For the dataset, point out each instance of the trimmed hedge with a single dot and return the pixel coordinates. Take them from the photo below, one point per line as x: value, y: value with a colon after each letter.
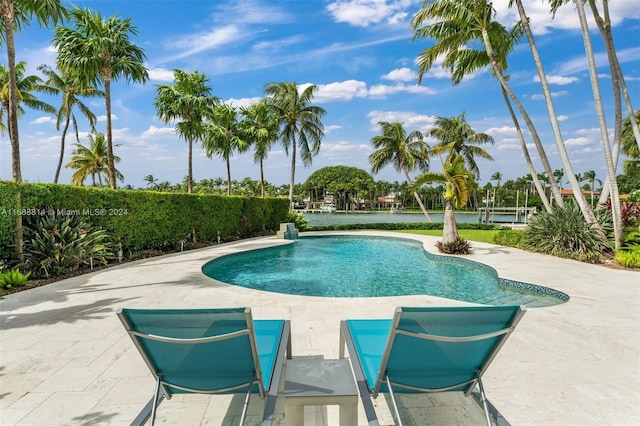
x: 144, y: 219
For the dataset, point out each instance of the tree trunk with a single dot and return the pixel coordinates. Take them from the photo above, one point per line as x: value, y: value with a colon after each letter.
x: 595, y: 87
x: 555, y: 191
x: 450, y: 229
x: 525, y: 151
x: 575, y: 185
x: 261, y: 179
x: 110, y: 162
x: 64, y: 133
x: 190, y: 166
x: 228, y: 176
x: 293, y: 170
x: 418, y: 199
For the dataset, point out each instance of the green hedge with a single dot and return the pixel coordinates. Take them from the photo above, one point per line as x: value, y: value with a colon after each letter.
x: 400, y: 226
x: 145, y: 219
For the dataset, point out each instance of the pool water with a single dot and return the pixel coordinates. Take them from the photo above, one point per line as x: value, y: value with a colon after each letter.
x: 356, y: 266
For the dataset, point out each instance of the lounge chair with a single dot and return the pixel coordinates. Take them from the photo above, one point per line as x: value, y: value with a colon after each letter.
x: 209, y: 351
x: 427, y: 349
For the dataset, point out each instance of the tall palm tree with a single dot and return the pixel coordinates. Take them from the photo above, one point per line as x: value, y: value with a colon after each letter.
x: 590, y: 176
x: 586, y: 210
x: 300, y: 122
x: 14, y: 16
x: 91, y: 161
x: 497, y: 176
x: 224, y: 135
x: 457, y: 179
x: 462, y: 24
x: 405, y: 152
x: 71, y: 89
x: 456, y: 137
x: 101, y: 51
x: 187, y: 101
x: 262, y: 129
x: 26, y: 85
x: 152, y: 182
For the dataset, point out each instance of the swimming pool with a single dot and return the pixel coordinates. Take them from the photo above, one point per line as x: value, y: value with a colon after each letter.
x: 369, y: 266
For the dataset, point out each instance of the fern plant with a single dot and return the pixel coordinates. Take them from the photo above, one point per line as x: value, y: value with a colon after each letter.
x: 55, y: 245
x: 457, y: 246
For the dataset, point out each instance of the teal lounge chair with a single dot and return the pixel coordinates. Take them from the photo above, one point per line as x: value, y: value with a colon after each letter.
x: 209, y: 351
x: 427, y: 349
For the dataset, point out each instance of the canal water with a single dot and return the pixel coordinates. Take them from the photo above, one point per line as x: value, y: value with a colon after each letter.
x: 340, y: 218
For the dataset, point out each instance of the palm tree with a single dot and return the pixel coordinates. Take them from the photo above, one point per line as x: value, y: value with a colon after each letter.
x: 262, y: 128
x: 15, y: 15
x: 224, y: 135
x: 405, y: 152
x: 91, y: 161
x: 457, y: 179
x: 187, y: 101
x: 100, y: 50
x: 152, y: 182
x: 590, y: 176
x: 456, y: 137
x: 71, y: 88
x: 300, y: 122
x: 498, y: 177
x: 464, y: 24
x: 26, y: 85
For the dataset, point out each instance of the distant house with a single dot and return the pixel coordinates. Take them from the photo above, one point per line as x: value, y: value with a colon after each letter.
x: 585, y: 192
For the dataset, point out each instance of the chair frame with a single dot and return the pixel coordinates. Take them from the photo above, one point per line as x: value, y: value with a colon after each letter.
x: 161, y: 388
x: 347, y: 341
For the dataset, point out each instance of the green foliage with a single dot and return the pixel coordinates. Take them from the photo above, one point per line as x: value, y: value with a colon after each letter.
x: 457, y: 246
x: 401, y: 226
x: 142, y: 220
x: 628, y: 259
x: 564, y: 233
x: 12, y: 279
x: 631, y: 239
x: 301, y: 222
x: 58, y: 244
x: 509, y: 237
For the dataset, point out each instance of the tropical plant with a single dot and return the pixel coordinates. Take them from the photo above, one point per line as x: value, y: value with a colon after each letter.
x: 152, y: 182
x: 71, y: 88
x: 187, y: 101
x: 14, y: 16
x: 224, y: 135
x: 456, y: 28
x: 100, y: 51
x: 456, y: 178
x: 628, y: 259
x: 564, y: 233
x: 509, y: 237
x: 456, y: 137
x: 457, y: 246
x: 58, y: 244
x: 12, y: 279
x: 300, y: 122
x: 91, y: 161
x: 405, y: 152
x: 301, y: 223
x: 262, y: 130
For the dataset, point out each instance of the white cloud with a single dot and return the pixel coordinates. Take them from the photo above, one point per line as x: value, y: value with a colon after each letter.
x: 329, y: 129
x: 160, y: 74
x: 381, y: 91
x: 362, y: 13
x: 553, y: 94
x: 410, y: 119
x: 339, y: 91
x: 401, y: 74
x: 103, y: 118
x: 558, y: 79
x: 242, y: 102
x: 504, y: 130
x: 577, y: 141
x: 154, y: 132
x: 43, y: 120
x: 195, y: 43
x: 562, y: 118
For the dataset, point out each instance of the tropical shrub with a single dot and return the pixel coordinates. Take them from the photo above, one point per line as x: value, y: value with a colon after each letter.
x: 298, y: 219
x: 509, y: 237
x: 457, y: 246
x: 12, y: 279
x: 628, y: 259
x: 563, y: 232
x: 54, y: 244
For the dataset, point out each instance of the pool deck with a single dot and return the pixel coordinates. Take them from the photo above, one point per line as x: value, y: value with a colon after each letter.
x: 65, y: 359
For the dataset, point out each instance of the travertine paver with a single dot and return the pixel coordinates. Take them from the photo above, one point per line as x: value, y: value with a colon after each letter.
x: 65, y: 358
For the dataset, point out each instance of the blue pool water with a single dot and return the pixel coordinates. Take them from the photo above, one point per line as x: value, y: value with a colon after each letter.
x: 356, y: 266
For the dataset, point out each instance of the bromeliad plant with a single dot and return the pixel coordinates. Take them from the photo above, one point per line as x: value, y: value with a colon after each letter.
x: 12, y: 279
x: 55, y: 245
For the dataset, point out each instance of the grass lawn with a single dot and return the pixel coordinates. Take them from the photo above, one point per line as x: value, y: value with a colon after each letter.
x: 467, y: 234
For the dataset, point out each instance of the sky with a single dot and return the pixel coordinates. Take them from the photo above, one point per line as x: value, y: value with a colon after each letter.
x: 360, y: 54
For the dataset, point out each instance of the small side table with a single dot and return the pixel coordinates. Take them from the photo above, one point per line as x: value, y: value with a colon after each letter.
x: 320, y: 382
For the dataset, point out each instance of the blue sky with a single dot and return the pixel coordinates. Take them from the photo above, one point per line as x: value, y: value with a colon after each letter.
x: 359, y: 53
